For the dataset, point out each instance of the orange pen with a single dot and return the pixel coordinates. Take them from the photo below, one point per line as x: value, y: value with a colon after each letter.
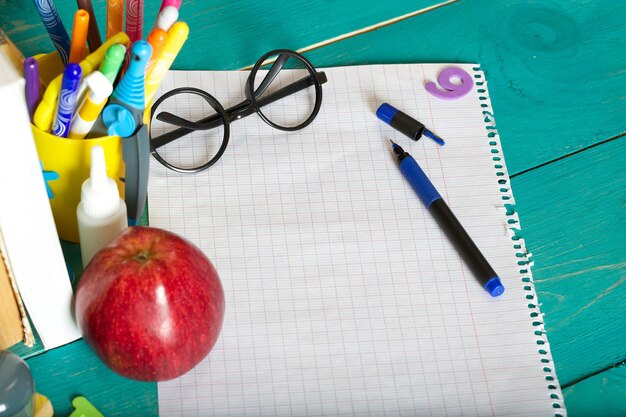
x: 79, y: 36
x: 115, y: 17
x: 157, y: 40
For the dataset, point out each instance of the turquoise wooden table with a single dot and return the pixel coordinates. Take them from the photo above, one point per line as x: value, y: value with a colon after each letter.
x: 557, y: 79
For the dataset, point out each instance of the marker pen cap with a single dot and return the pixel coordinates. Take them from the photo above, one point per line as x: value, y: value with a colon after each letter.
x: 400, y: 121
x: 494, y: 287
x: 100, y: 88
x: 166, y: 18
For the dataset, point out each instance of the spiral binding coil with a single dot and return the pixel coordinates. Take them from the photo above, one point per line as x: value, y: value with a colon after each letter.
x: 524, y: 257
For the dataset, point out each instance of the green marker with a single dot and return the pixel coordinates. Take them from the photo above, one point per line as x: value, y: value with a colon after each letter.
x: 112, y: 62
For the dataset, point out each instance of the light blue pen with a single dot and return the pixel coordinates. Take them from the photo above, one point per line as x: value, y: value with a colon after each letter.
x: 67, y: 100
x: 124, y: 113
x: 54, y: 26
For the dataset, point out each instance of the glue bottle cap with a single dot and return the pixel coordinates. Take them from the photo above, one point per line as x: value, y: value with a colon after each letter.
x: 99, y: 194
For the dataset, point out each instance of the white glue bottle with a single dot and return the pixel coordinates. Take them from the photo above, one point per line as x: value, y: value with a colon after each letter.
x: 101, y: 212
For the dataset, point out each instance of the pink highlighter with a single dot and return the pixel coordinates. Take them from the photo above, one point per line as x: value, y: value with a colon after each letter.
x: 175, y: 3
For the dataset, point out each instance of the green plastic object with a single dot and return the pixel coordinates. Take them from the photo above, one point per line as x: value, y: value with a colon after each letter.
x: 112, y: 62
x: 83, y: 408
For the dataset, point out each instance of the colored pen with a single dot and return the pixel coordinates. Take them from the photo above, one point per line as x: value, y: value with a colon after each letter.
x: 79, y: 36
x: 112, y: 62
x: 405, y: 123
x: 156, y: 39
x: 166, y: 18
x: 115, y: 17
x: 55, y: 28
x: 100, y: 88
x: 134, y: 19
x: 124, y: 112
x: 93, y: 36
x: 67, y: 100
x: 448, y: 222
x: 176, y: 38
x: 174, y: 3
x: 44, y: 115
x: 31, y: 76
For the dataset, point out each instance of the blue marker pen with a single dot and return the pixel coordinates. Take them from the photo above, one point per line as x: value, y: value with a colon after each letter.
x: 448, y: 222
x: 67, y: 100
x: 54, y: 26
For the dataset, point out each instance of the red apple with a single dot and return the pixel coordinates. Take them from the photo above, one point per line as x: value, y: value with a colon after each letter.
x: 150, y: 304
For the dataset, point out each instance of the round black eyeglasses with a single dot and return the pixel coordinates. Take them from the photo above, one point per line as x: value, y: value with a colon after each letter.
x: 263, y: 91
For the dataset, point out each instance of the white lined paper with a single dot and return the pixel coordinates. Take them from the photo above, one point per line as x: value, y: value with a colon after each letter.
x: 343, y: 296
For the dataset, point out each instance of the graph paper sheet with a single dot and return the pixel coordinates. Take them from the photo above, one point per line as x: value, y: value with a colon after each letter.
x: 342, y: 295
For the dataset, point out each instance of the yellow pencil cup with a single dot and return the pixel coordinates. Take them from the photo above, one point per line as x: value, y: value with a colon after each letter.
x: 66, y: 162
x: 70, y: 160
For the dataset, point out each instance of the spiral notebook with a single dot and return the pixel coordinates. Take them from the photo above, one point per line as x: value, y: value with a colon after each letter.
x: 343, y: 297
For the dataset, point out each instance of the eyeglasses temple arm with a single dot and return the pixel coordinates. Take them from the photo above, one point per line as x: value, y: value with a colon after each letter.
x: 239, y: 111
x: 269, y: 77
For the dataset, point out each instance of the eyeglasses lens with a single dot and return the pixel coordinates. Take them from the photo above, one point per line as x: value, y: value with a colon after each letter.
x: 196, y: 148
x: 293, y: 110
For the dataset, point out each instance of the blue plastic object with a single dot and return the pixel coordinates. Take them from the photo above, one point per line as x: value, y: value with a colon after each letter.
x: 494, y: 287
x: 67, y: 100
x: 386, y: 112
x: 125, y: 112
x: 419, y: 181
x: 405, y: 124
x: 448, y: 222
x: 131, y: 91
x: 119, y: 120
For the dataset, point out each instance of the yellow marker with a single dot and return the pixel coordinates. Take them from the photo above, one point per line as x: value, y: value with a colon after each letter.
x: 47, y: 107
x: 176, y: 37
x: 100, y: 88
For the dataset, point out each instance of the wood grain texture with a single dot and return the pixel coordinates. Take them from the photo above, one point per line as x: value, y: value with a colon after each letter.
x: 64, y: 373
x: 601, y: 395
x: 555, y: 68
x: 225, y: 34
x: 573, y: 219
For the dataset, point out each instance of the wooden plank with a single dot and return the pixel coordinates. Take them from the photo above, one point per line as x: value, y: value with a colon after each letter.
x: 555, y: 70
x: 225, y: 34
x: 600, y: 395
x: 572, y: 217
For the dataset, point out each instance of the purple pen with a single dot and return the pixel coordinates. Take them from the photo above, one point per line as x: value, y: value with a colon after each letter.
x: 67, y: 100
x: 31, y: 74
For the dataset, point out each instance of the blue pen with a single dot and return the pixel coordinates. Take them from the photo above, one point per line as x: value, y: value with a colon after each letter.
x: 67, y: 100
x: 54, y: 26
x: 448, y: 222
